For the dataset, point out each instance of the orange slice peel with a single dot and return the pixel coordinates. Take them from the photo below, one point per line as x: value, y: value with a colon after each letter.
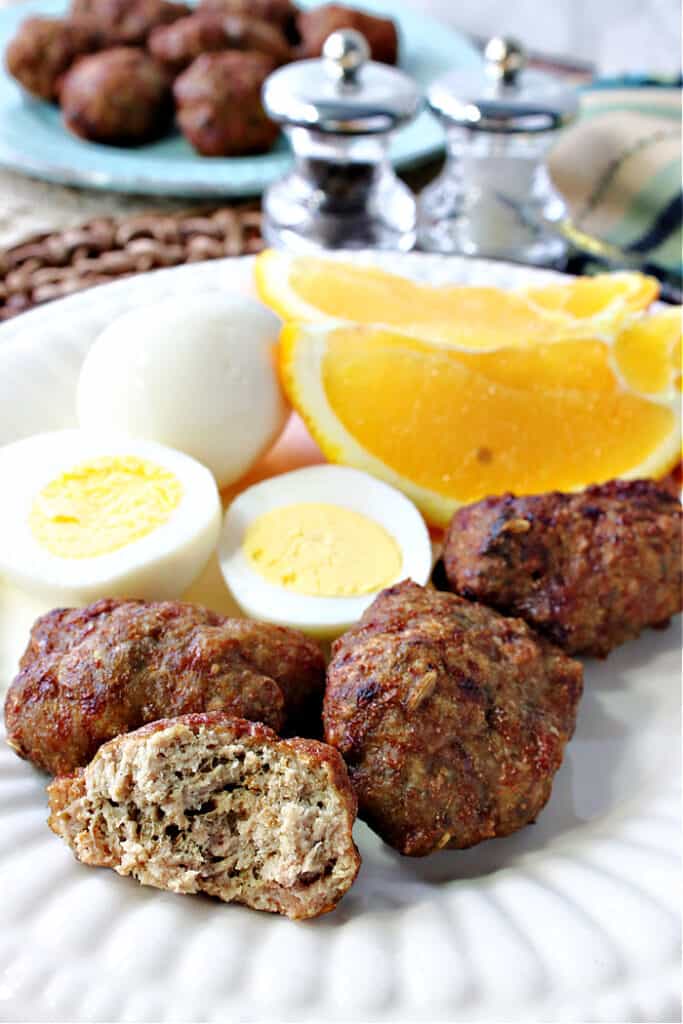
x: 449, y: 426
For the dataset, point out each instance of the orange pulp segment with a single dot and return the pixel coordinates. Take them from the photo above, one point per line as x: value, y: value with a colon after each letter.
x: 647, y: 353
x: 450, y: 427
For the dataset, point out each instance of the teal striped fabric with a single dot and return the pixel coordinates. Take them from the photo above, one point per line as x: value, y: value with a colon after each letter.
x: 619, y: 169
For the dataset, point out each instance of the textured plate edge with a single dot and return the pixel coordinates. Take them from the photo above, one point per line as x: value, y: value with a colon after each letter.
x: 651, y: 997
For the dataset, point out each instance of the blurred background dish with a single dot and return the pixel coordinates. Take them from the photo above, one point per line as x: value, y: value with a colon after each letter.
x: 33, y: 139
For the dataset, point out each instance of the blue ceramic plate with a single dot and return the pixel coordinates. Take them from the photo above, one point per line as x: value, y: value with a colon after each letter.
x: 33, y: 139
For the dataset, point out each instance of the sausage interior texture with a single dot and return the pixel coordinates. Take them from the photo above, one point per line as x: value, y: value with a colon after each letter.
x: 213, y: 804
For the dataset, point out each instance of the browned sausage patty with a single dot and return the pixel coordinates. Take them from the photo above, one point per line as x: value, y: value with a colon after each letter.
x: 209, y: 803
x: 177, y: 45
x: 127, y: 22
x: 119, y: 97
x: 219, y: 106
x: 452, y: 720
x: 589, y: 570
x: 43, y: 50
x: 317, y: 24
x: 89, y: 674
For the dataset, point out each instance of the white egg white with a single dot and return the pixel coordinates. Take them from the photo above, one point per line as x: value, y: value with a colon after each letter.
x: 334, y: 485
x: 195, y: 373
x: 158, y: 566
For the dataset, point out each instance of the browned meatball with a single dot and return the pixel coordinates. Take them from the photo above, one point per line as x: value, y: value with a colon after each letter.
x: 89, y: 674
x: 281, y: 13
x: 452, y: 720
x: 128, y: 22
x: 316, y: 25
x: 589, y: 570
x: 177, y: 45
x: 44, y: 48
x: 120, y: 97
x: 218, y: 104
x: 209, y: 803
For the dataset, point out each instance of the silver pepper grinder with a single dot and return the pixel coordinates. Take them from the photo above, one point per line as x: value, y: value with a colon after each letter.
x: 339, y: 113
x: 495, y: 197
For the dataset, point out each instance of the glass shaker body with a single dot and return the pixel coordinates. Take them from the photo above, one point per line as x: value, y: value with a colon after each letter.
x: 341, y: 193
x: 494, y: 198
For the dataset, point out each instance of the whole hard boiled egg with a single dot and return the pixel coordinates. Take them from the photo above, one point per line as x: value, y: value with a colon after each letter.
x: 84, y: 517
x: 312, y: 548
x: 195, y: 373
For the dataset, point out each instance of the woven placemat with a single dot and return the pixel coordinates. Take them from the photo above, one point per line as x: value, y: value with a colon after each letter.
x: 58, y: 263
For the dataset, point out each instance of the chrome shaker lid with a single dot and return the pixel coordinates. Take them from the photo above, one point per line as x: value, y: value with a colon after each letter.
x: 342, y: 93
x: 504, y: 95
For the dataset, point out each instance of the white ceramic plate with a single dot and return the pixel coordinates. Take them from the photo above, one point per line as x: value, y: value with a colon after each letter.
x: 573, y: 919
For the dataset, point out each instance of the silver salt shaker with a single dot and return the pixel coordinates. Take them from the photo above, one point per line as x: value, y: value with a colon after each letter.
x: 339, y: 113
x: 495, y: 197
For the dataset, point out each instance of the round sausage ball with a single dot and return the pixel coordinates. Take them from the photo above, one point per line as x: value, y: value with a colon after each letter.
x: 451, y: 718
x: 176, y: 46
x: 127, y: 22
x: 120, y: 97
x: 316, y: 25
x: 218, y: 104
x: 44, y: 49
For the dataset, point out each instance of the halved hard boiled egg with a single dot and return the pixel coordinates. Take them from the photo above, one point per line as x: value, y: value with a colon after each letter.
x: 87, y: 516
x: 312, y: 548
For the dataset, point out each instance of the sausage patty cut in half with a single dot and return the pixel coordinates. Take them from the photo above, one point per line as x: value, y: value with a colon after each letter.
x: 89, y: 674
x: 589, y: 570
x: 452, y: 719
x: 209, y: 803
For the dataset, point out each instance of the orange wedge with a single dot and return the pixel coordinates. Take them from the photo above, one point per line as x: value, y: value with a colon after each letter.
x: 306, y: 288
x: 449, y: 427
x: 601, y: 303
x: 647, y: 354
x: 314, y: 289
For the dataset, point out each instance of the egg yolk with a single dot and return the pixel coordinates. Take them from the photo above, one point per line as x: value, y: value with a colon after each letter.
x: 103, y: 505
x: 322, y: 550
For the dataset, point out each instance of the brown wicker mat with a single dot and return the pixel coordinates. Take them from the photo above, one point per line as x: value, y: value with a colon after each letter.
x: 105, y: 249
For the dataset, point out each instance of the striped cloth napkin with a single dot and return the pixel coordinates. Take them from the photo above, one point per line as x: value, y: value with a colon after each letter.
x: 619, y: 169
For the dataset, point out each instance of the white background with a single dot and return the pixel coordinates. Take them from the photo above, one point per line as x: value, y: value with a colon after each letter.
x: 618, y: 35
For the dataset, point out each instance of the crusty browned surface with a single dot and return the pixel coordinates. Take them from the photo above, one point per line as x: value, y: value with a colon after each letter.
x: 452, y: 719
x: 89, y: 674
x: 43, y: 50
x: 316, y: 24
x: 118, y: 97
x: 218, y: 103
x: 589, y: 570
x: 177, y: 45
x: 209, y: 803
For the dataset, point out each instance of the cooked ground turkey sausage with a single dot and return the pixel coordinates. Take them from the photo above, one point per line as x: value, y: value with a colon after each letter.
x: 219, y: 106
x: 89, y: 674
x: 209, y: 803
x: 177, y: 45
x: 44, y: 49
x: 281, y: 13
x: 119, y: 97
x: 589, y: 570
x: 318, y: 23
x: 127, y: 22
x: 452, y: 719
